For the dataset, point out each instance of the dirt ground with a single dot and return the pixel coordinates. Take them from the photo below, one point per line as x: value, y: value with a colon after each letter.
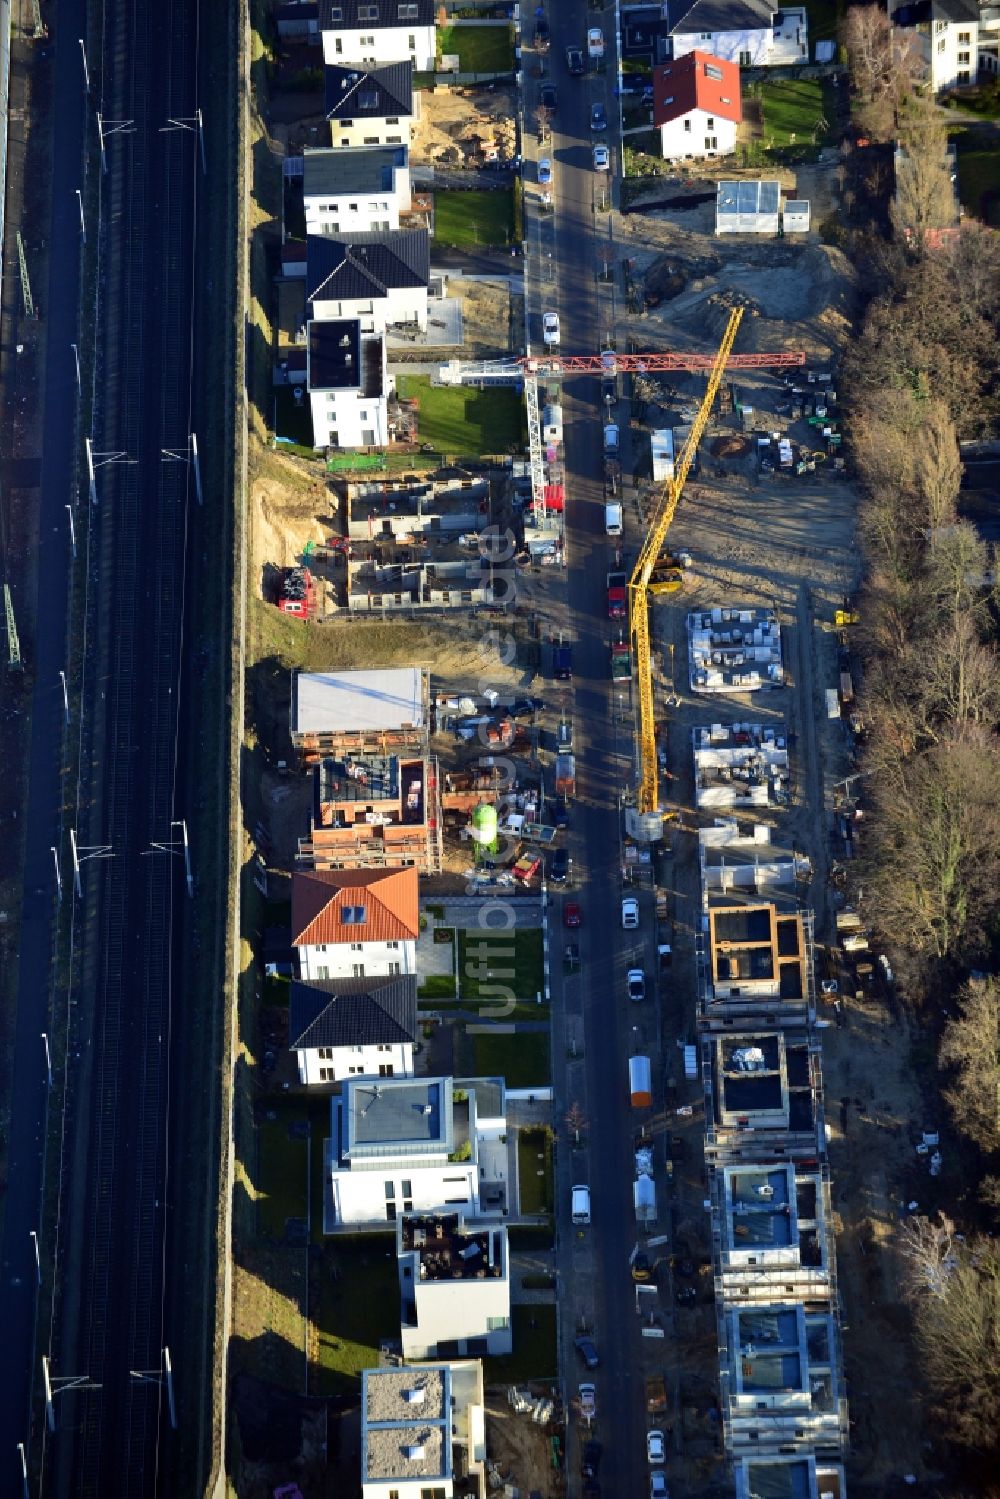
x: 521, y: 1449
x: 492, y: 317
x: 456, y: 125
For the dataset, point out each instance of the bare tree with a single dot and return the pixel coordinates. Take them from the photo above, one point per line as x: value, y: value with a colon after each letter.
x: 957, y: 681
x: 883, y: 64
x: 925, y: 191
x: 938, y: 467
x: 928, y: 1249
x: 958, y: 1333
x: 970, y: 1052
x: 576, y: 1121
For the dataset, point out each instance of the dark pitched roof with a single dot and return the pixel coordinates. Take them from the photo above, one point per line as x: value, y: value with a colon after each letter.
x: 356, y: 266
x: 368, y: 93
x: 349, y: 15
x: 720, y: 15
x: 959, y: 12
x: 352, y: 1012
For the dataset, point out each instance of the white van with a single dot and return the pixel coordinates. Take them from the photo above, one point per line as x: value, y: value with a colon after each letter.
x: 581, y: 1204
x: 613, y: 519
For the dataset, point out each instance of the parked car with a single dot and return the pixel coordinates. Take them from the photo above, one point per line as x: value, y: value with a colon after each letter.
x: 655, y: 1447
x: 658, y: 1485
x: 602, y: 159
x: 609, y: 392
x: 544, y: 172
x: 559, y: 866
x: 526, y: 707
x: 590, y: 1461
x: 548, y: 96
x: 595, y: 43
x: 574, y: 61
x: 550, y: 329
x: 542, y: 34
x: 588, y: 1402
x: 572, y: 915
x: 630, y: 913
x: 598, y: 117
x: 587, y: 1350
x: 636, y: 981
x: 562, y: 662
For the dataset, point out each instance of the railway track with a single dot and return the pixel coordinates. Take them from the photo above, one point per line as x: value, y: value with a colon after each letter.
x: 111, y: 1274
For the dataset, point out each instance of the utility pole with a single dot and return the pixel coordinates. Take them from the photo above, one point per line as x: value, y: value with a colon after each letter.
x: 76, y: 360
x: 86, y: 70
x: 55, y: 860
x: 164, y: 1377
x: 65, y: 693
x: 29, y: 306
x: 54, y: 1387
x: 179, y: 846
x: 72, y: 528
x: 14, y: 662
x: 81, y: 852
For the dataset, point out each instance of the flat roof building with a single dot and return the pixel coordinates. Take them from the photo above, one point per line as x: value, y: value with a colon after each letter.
x: 423, y: 1431
x: 790, y: 1477
x: 763, y: 1097
x: 734, y: 650
x: 360, y: 711
x: 454, y: 1286
x: 759, y: 962
x: 740, y: 766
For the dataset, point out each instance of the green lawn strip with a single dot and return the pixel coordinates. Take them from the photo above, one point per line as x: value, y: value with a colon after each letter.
x: 534, y: 1353
x: 520, y: 1057
x: 355, y: 1306
x: 292, y: 419
x: 319, y: 1133
x: 464, y: 422
x: 797, y: 111
x: 483, y: 953
x: 979, y: 174
x: 523, y: 1010
x: 471, y: 219
x: 281, y: 1175
x: 480, y: 49
x: 436, y: 986
x: 531, y: 1236
x: 535, y: 1189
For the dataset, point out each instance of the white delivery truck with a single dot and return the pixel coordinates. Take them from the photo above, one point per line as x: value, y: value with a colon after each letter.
x: 613, y: 519
x: 552, y: 424
x: 581, y: 1204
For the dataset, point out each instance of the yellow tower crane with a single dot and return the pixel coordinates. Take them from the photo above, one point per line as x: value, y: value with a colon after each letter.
x: 647, y: 825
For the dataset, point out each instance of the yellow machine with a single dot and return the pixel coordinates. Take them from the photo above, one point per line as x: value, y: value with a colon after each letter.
x: 648, y: 824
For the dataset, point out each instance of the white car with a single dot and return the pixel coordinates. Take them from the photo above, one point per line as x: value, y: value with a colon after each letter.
x: 602, y: 159
x: 636, y: 984
x: 630, y: 913
x: 588, y: 1402
x: 658, y: 1484
x: 550, y: 328
x: 544, y: 171
x: 595, y: 42
x: 655, y: 1448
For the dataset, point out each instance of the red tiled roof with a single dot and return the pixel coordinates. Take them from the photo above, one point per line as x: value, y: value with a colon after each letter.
x: 679, y: 87
x: 322, y: 898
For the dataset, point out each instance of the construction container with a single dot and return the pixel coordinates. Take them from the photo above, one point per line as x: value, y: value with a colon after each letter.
x: 640, y: 1082
x: 644, y: 1199
x: 662, y: 444
x: 832, y: 702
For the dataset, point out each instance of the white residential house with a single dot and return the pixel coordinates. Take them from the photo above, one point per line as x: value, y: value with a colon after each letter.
x: 358, y: 191
x: 341, y: 1028
x: 374, y: 31
x: 423, y: 1428
x: 348, y: 385
x: 696, y: 106
x: 948, y: 35
x: 454, y: 1287
x: 369, y: 106
x: 415, y: 1145
x: 752, y: 33
x: 355, y: 923
x: 380, y: 279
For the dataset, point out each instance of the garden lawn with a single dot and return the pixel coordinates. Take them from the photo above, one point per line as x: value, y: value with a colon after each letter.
x: 462, y: 422
x: 797, y: 111
x: 281, y: 1177
x: 470, y: 219
x: 979, y: 175
x: 481, y: 49
x: 292, y: 421
x: 521, y: 1057
x: 534, y: 1352
x: 535, y: 1190
x: 491, y: 950
x: 357, y: 1308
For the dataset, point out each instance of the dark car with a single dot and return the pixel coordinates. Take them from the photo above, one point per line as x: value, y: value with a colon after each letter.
x: 562, y: 663
x: 548, y: 98
x: 559, y: 866
x: 526, y: 707
x: 587, y: 1350
x: 542, y: 34
x: 574, y: 61
x: 560, y: 812
x: 609, y: 391
x: 598, y: 117
x: 572, y: 915
x: 590, y: 1461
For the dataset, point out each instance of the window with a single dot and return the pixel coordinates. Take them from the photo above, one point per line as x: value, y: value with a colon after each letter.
x: 497, y: 1324
x: 385, y: 1047
x: 392, y: 119
x: 356, y: 1071
x: 453, y: 1179
x: 413, y: 44
x: 386, y: 1069
x: 358, y: 970
x: 338, y: 45
x: 336, y: 12
x: 406, y: 1187
x: 394, y: 140
x: 706, y: 36
x: 394, y: 968
x: 369, y: 41
x: 963, y: 57
x: 711, y: 143
x: 940, y: 25
x: 390, y: 1190
x: 346, y: 124
x: 367, y: 12
x: 744, y: 59
x: 710, y: 123
x: 965, y: 38
x: 368, y: 100
x: 941, y: 45
x: 327, y: 1075
x: 353, y: 207
x: 963, y: 76
x: 390, y: 1212
x: 322, y: 973
x: 357, y: 947
x: 325, y: 1053
x: 711, y: 71
x: 455, y: 1201
x: 334, y: 443
x: 371, y: 140
x: 407, y: 12
x: 367, y: 437
x: 687, y: 126
x: 353, y: 915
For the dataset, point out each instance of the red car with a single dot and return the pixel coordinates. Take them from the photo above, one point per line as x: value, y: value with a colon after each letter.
x: 571, y: 914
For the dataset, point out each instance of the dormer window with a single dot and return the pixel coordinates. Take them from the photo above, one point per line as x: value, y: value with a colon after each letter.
x: 367, y: 12
x: 353, y: 915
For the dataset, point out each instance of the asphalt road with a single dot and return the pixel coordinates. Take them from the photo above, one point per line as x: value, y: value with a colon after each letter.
x: 596, y: 1282
x: 110, y: 1433
x: 46, y: 655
